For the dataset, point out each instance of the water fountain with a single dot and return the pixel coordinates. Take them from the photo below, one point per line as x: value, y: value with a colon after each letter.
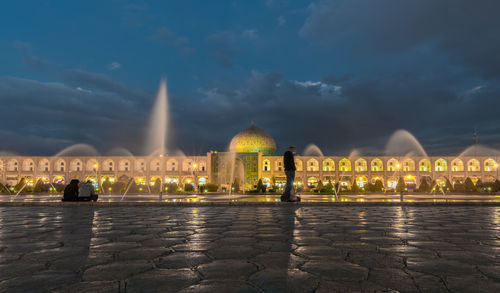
x: 403, y: 143
x: 156, y: 142
x: 312, y: 150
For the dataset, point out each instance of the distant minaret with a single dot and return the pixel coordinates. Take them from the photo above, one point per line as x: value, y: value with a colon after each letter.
x: 474, y: 134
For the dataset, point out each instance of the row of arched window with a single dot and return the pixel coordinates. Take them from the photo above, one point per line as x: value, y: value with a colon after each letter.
x: 77, y: 165
x: 392, y: 165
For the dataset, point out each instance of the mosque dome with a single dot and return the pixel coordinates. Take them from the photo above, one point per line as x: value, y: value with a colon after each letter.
x: 253, y: 140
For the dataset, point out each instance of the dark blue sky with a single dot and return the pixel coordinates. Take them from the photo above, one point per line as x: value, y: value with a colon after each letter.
x: 340, y: 74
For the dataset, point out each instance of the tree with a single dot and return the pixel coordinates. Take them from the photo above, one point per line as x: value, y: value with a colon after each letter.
x: 319, y: 188
x: 448, y: 186
x: 155, y: 188
x: 106, y: 185
x: 435, y: 186
x: 210, y: 187
x: 469, y: 185
x: 354, y: 187
x: 379, y: 186
x: 497, y: 185
x: 134, y: 188
x: 370, y: 187
x: 40, y: 186
x: 188, y: 187
x: 3, y: 189
x: 424, y: 186
x: 171, y: 187
x: 259, y: 186
x: 328, y: 188
x: 401, y: 186
x: 479, y: 185
x: 20, y: 184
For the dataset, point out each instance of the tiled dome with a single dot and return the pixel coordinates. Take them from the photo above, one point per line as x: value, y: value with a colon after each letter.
x: 252, y: 140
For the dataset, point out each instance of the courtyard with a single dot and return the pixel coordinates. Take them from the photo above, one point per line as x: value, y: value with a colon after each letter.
x: 249, y: 248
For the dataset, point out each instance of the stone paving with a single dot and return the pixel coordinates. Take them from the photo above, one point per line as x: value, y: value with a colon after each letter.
x: 278, y: 248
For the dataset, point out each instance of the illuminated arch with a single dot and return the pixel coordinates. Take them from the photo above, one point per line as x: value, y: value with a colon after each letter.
x: 328, y: 165
x: 188, y: 165
x: 393, y: 165
x: 424, y: 165
x: 92, y: 165
x: 361, y: 181
x: 490, y: 165
x: 298, y: 165
x: 58, y: 180
x: 12, y: 165
x: 60, y: 165
x: 312, y: 165
x: 377, y: 165
x: 28, y: 165
x: 108, y: 165
x: 360, y: 165
x: 440, y: 165
x: 457, y: 165
x: 124, y: 165
x: 278, y: 165
x: 345, y: 165
x: 312, y: 181
x: 408, y: 165
x: 473, y: 165
x: 76, y: 165
x: 155, y: 165
x: 266, y: 165
x: 140, y: 165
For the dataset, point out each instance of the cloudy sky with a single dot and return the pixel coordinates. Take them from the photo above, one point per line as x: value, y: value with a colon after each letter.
x: 342, y: 74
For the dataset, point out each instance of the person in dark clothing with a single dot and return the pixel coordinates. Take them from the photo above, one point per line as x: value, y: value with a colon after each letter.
x: 289, y: 163
x: 71, y: 191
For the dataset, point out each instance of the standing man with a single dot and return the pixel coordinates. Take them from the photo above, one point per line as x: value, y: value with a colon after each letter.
x: 289, y: 163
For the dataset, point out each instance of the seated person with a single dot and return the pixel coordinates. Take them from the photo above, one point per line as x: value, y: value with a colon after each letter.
x: 71, y: 191
x: 87, y: 192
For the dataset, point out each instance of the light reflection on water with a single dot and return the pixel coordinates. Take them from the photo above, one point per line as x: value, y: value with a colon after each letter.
x: 204, y: 198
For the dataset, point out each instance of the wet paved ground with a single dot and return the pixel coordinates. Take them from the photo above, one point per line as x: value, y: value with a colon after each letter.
x: 251, y: 197
x: 276, y: 248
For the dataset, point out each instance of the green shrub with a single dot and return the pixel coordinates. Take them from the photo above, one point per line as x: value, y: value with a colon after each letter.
x: 210, y: 187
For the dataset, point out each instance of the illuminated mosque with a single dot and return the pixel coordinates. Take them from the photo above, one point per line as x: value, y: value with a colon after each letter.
x: 252, y: 156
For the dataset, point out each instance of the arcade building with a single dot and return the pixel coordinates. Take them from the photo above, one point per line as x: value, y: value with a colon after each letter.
x: 252, y: 156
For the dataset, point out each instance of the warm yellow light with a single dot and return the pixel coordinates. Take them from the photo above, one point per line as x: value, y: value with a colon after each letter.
x: 195, y: 165
x: 397, y: 166
x: 95, y: 166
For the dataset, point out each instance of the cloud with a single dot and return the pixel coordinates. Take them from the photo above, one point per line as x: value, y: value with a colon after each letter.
x: 343, y: 113
x: 114, y: 65
x: 100, y: 112
x: 166, y: 36
x: 468, y: 32
x: 224, y: 46
x: 281, y: 20
x: 250, y: 34
x: 20, y: 45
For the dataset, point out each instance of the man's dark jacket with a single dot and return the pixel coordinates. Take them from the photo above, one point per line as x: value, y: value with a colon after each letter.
x: 288, y: 161
x: 71, y: 191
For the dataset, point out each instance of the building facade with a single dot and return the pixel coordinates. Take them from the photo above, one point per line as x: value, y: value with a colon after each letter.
x: 251, y: 156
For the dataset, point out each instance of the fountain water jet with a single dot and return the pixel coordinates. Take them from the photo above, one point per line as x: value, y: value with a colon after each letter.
x: 312, y: 150
x: 79, y: 149
x: 403, y: 143
x: 157, y: 133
